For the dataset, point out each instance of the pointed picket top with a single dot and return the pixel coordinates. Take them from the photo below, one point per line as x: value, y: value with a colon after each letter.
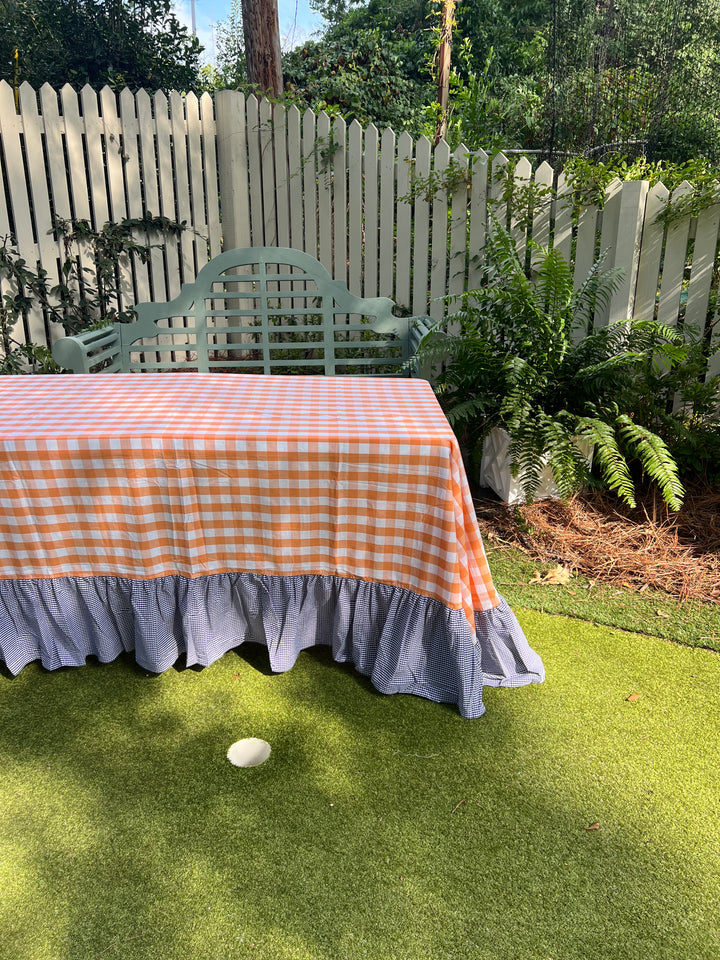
x: 27, y: 97
x: 160, y: 102
x: 462, y: 154
x: 657, y: 200
x: 388, y: 136
x: 47, y: 90
x: 612, y: 188
x: 523, y: 169
x: 190, y: 98
x: 67, y: 90
x: 355, y: 127
x: 325, y: 118
x: 339, y: 129
x: 294, y: 114
x: 498, y: 170
x: 265, y: 111
x: 423, y: 143
x: 27, y: 90
x: 545, y: 173
x: 278, y: 114
x: 127, y: 101
x: 88, y: 92
x: 251, y: 98
x: 442, y: 154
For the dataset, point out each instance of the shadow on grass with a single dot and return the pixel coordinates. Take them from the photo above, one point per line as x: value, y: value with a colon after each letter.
x: 381, y: 827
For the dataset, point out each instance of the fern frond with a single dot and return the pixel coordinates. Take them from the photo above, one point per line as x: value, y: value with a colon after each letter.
x: 596, y: 290
x: 613, y: 465
x: 656, y: 460
x: 553, y: 282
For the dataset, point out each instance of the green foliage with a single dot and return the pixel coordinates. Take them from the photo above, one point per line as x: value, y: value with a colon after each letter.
x: 518, y: 355
x: 359, y: 77
x: 114, y: 42
x: 22, y: 287
x: 590, y: 178
x: 84, y: 298
x: 229, y: 70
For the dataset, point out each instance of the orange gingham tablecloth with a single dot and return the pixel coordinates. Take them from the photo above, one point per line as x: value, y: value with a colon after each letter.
x: 149, y: 475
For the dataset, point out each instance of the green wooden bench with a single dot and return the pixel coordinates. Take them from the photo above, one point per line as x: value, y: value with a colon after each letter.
x: 258, y: 310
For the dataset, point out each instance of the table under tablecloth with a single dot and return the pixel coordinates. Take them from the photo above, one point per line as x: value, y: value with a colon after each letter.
x: 183, y: 514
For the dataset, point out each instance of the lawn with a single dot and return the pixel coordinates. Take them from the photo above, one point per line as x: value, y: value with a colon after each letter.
x: 567, y: 823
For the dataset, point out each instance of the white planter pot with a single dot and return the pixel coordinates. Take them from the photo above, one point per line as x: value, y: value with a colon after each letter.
x: 495, y: 469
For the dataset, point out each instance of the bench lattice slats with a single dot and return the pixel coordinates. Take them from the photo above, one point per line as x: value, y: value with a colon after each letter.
x: 261, y: 310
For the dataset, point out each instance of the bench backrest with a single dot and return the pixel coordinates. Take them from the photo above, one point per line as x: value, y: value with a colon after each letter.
x: 265, y: 310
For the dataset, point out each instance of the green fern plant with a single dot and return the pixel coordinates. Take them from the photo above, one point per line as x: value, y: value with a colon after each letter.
x: 520, y: 353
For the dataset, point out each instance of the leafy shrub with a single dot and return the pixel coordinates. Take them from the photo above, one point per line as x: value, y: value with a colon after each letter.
x: 83, y: 299
x: 518, y: 355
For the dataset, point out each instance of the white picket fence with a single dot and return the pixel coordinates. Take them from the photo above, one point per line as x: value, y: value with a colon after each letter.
x: 243, y: 172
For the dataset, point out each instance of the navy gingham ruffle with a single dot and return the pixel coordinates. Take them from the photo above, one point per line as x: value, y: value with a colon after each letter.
x: 404, y: 642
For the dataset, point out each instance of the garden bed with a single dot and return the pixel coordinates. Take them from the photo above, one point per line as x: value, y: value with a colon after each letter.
x: 598, y: 537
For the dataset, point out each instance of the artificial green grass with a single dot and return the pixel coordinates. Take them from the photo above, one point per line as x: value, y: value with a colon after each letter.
x: 651, y: 612
x: 386, y: 828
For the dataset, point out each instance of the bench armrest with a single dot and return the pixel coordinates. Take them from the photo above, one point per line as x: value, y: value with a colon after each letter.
x: 89, y: 352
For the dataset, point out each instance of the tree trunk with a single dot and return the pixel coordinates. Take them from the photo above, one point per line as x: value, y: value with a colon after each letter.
x: 448, y: 20
x: 262, y: 45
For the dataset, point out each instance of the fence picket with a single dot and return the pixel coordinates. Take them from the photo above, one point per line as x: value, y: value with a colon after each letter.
x: 646, y: 287
x: 49, y: 250
x: 544, y: 176
x: 198, y: 233
x: 294, y: 151
x: 626, y: 246
x: 439, y: 238
x: 387, y: 212
x: 522, y: 177
x: 585, y: 242
x: 149, y: 173
x: 182, y: 185
x: 167, y: 193
x: 10, y: 134
x: 355, y: 209
x: 496, y: 187
x: 269, y: 187
x: 701, y: 270
x: 129, y: 145
x: 309, y: 183
x: 478, y: 217
x: 340, y: 211
x: 676, y: 243
x: 116, y: 188
x: 79, y: 195
x: 94, y: 151
x: 458, y: 227
x: 257, y: 225
x: 324, y: 177
x: 562, y: 212
x: 282, y: 201
x: 370, y: 157
x: 421, y: 238
x: 211, y: 174
x: 404, y: 221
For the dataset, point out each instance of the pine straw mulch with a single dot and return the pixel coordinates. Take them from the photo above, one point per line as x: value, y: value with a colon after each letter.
x: 596, y: 536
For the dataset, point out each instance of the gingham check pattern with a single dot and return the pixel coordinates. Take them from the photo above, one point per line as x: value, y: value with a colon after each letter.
x: 152, y: 475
